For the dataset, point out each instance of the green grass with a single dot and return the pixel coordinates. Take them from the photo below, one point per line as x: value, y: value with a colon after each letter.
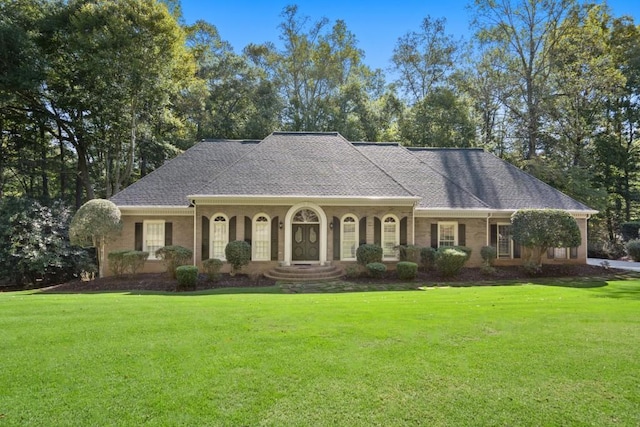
x: 501, y: 355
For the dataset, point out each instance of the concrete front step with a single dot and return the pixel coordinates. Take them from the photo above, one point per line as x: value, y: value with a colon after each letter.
x: 305, y: 273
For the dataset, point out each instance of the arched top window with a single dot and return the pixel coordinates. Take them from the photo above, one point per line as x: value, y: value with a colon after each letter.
x: 261, y: 244
x: 390, y: 236
x: 219, y: 235
x: 219, y: 218
x: 349, y: 237
x: 306, y: 216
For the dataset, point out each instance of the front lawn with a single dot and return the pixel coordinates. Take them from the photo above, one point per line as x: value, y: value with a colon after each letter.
x: 501, y: 355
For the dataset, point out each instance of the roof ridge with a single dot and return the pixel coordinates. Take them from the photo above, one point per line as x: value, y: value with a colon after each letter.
x: 232, y: 164
x: 446, y: 177
x: 380, y: 168
x: 445, y: 148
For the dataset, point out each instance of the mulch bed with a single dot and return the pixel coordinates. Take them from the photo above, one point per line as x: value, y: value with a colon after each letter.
x: 163, y: 283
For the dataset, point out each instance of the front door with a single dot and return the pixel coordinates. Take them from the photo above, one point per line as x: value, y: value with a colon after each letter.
x: 306, y: 242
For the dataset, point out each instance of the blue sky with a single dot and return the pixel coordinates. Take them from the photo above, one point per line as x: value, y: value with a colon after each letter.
x: 377, y: 24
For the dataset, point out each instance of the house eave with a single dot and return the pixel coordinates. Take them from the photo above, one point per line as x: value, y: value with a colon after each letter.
x: 150, y: 210
x: 275, y: 200
x: 484, y: 213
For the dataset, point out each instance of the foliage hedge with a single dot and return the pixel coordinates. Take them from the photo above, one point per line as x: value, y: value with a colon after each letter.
x: 212, y: 267
x: 368, y: 253
x: 376, y: 269
x: 173, y: 257
x: 134, y: 260
x: 238, y: 254
x: 124, y: 260
x: 633, y: 249
x: 427, y: 258
x: 489, y: 254
x: 630, y: 230
x: 449, y: 261
x: 34, y: 243
x: 407, y: 270
x: 187, y: 276
x: 409, y: 253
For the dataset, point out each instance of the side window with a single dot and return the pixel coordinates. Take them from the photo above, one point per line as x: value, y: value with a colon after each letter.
x: 261, y: 242
x: 447, y: 234
x: 349, y: 240
x: 504, y: 242
x: 152, y: 237
x: 219, y: 229
x: 390, y: 236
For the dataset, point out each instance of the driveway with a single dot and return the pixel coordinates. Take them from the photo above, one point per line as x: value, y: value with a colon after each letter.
x: 623, y: 265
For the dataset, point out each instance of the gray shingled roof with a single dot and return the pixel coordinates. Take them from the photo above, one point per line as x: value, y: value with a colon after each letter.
x: 434, y: 189
x: 498, y: 183
x: 327, y: 165
x: 304, y: 164
x: 170, y: 184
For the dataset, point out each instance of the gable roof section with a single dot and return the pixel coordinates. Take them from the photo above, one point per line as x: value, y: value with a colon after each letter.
x: 434, y: 189
x: 498, y: 183
x: 170, y: 184
x: 304, y: 164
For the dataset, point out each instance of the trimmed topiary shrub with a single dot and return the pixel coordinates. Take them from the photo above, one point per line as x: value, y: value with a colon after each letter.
x: 116, y: 262
x: 134, y: 260
x: 212, y: 268
x: 367, y: 253
x: 187, y: 276
x: 407, y: 270
x: 238, y: 254
x: 489, y: 255
x: 449, y: 261
x: 409, y: 253
x: 173, y: 257
x: 376, y: 269
x: 633, y: 249
x: 427, y: 258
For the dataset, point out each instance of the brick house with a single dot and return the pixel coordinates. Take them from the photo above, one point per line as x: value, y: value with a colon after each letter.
x: 313, y: 198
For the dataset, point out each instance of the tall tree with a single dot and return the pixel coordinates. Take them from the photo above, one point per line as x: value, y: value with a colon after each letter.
x: 526, y: 31
x: 319, y: 74
x: 425, y: 59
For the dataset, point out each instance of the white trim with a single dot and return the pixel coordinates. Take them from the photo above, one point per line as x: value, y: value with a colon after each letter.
x: 287, y: 231
x: 274, y: 200
x: 396, y: 240
x: 254, y: 233
x: 225, y: 240
x: 157, y: 210
x: 356, y: 235
x: 145, y: 248
x: 455, y: 231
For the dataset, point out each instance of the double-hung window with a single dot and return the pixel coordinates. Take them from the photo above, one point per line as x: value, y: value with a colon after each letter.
x: 152, y: 237
x: 261, y: 238
x: 349, y: 237
x: 219, y: 235
x: 447, y: 234
x: 390, y: 237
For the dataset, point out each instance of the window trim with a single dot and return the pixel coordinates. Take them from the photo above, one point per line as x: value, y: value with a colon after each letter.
x: 212, y: 223
x: 396, y: 241
x: 145, y: 248
x: 356, y: 235
x: 254, y: 234
x: 455, y: 231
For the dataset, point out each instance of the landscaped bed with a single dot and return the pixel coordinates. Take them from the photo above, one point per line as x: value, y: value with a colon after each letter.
x: 468, y: 276
x: 487, y: 355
